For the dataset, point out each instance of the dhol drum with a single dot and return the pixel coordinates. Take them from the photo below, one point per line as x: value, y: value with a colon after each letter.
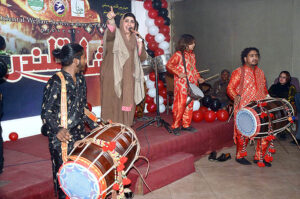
x: 195, y: 92
x: 91, y: 169
x: 262, y: 118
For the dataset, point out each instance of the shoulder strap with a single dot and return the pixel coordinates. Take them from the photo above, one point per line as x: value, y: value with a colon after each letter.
x: 242, y: 79
x: 63, y: 113
x: 184, y: 64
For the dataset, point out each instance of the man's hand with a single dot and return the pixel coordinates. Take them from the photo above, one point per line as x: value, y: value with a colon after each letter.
x: 63, y: 135
x: 201, y: 80
x: 182, y: 75
x: 237, y: 100
x: 111, y: 14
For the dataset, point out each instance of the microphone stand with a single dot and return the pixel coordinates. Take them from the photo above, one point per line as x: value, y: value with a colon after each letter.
x: 157, y: 118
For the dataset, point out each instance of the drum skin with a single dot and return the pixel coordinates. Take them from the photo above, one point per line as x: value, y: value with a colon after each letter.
x: 271, y: 103
x: 124, y: 141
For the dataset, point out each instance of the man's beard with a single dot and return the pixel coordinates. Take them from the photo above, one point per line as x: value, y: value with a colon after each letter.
x: 254, y: 63
x: 80, y: 68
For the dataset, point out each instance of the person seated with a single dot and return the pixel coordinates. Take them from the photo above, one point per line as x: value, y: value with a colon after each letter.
x: 297, y: 101
x: 205, y: 88
x: 284, y: 89
x: 219, y: 89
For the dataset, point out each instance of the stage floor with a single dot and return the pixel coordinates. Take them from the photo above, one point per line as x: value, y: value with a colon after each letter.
x: 27, y: 167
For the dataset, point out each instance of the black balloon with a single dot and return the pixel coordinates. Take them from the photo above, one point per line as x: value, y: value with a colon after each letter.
x: 163, y: 12
x: 167, y: 21
x: 156, y: 4
x: 215, y: 104
x: 206, y: 101
x: 150, y: 53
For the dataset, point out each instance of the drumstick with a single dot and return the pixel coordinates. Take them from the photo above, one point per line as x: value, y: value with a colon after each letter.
x: 236, y: 104
x: 216, y: 75
x: 203, y: 71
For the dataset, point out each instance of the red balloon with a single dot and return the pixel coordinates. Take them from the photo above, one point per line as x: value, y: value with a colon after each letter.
x: 153, y: 45
x: 163, y: 91
x: 203, y: 109
x: 160, y: 84
x: 152, y: 13
x: 167, y: 38
x: 159, y: 52
x: 198, y: 116
x: 165, y: 30
x: 89, y: 106
x: 148, y: 4
x: 149, y: 99
x: 222, y: 115
x: 152, y: 76
x: 164, y: 4
x: 165, y: 100
x: 210, y: 116
x: 159, y: 21
x: 151, y: 107
x: 13, y: 136
x: 150, y: 38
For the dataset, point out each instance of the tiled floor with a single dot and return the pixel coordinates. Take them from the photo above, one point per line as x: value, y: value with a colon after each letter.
x: 230, y: 180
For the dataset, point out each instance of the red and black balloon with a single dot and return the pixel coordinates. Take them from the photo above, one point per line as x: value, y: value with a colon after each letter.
x: 157, y: 10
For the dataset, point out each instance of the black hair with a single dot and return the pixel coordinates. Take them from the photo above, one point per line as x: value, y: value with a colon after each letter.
x: 68, y: 53
x: 288, y: 76
x: 136, y: 28
x: 246, y: 51
x: 2, y: 43
x: 225, y: 71
x: 129, y: 14
x: 184, y: 41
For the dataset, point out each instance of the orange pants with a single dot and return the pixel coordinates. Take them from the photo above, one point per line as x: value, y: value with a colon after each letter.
x: 182, y: 113
x: 241, y: 144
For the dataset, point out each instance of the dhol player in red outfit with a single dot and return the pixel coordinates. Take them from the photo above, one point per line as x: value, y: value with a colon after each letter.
x: 182, y: 114
x: 248, y: 83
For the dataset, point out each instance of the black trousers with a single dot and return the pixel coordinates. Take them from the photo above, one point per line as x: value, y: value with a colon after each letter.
x: 1, y: 150
x: 56, y: 163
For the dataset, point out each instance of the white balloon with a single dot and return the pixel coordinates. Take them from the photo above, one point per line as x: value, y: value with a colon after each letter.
x: 150, y: 84
x: 167, y: 51
x: 162, y: 108
x: 196, y: 105
x: 159, y: 37
x: 146, y: 77
x: 149, y: 22
x: 160, y: 100
x: 164, y: 45
x: 153, y: 30
x: 145, y: 109
x: 152, y: 92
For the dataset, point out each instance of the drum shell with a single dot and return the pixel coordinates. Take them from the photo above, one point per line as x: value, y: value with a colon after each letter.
x: 272, y: 103
x: 105, y: 162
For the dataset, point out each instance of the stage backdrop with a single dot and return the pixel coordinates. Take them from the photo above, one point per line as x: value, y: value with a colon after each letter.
x: 32, y: 29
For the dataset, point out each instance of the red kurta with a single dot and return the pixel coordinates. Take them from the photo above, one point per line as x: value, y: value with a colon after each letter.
x: 181, y: 113
x: 253, y: 89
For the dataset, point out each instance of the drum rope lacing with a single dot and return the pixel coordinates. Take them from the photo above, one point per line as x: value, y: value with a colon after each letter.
x: 118, y: 159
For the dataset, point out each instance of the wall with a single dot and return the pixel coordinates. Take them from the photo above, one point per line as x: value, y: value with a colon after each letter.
x: 224, y: 28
